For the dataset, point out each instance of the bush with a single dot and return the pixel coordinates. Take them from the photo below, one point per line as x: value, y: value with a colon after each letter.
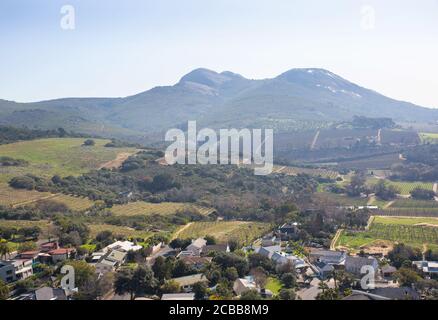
x: 89, y: 143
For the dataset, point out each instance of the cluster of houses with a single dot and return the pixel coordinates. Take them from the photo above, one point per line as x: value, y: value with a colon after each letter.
x: 21, y: 266
x: 110, y: 258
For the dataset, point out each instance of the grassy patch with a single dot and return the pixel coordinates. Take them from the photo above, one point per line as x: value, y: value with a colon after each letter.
x: 57, y: 156
x: 274, y: 285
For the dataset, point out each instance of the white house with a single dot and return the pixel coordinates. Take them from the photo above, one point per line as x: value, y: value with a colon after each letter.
x: 243, y: 285
x: 13, y: 270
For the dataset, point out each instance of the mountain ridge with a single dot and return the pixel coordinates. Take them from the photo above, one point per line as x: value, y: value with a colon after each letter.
x: 220, y: 99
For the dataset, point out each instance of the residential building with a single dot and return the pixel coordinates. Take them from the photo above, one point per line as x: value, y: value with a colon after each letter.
x: 187, y: 282
x: 215, y: 248
x: 354, y: 265
x: 178, y: 296
x: 48, y: 293
x: 268, y: 252
x: 17, y: 269
x: 243, y: 285
x: 123, y: 246
x: 196, y: 246
x: 331, y: 257
x: 61, y: 254
x: 388, y: 271
x: 196, y: 263
x: 430, y: 267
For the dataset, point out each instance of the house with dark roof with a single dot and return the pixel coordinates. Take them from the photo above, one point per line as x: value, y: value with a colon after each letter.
x: 328, y: 256
x: 355, y: 265
x: 196, y: 263
x: 268, y: 251
x: 323, y: 269
x: 214, y: 248
x: 402, y: 293
x: 48, y: 293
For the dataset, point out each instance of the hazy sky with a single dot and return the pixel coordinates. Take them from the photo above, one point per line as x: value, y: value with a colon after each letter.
x: 119, y: 48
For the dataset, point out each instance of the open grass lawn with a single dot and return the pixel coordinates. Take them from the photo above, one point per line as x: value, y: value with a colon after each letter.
x: 413, y: 231
x: 146, y: 208
x: 223, y: 231
x: 61, y: 156
x: 274, y: 285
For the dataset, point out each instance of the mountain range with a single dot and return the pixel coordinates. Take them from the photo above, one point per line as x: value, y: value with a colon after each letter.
x: 296, y: 99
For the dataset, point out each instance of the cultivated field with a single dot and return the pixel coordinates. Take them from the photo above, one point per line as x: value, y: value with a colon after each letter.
x: 224, y: 231
x: 117, y: 230
x: 404, y: 187
x: 17, y: 198
x: 44, y: 225
x: 11, y: 197
x: 316, y: 172
x: 428, y: 137
x: 61, y: 156
x: 146, y: 208
x: 413, y: 231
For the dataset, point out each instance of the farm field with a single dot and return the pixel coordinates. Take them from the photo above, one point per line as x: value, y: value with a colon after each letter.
x: 57, y: 156
x: 404, y: 187
x: 414, y: 204
x: 342, y: 200
x: 412, y: 231
x: 11, y: 197
x: 145, y: 208
x: 117, y: 230
x: 316, y: 172
x: 428, y: 137
x: 74, y: 203
x: 44, y: 225
x: 224, y: 231
x: 17, y: 198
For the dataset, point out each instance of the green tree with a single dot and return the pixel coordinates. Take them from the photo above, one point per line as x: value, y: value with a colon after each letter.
x: 287, y: 294
x: 200, y: 290
x: 289, y: 280
x: 4, y: 290
x: 4, y: 250
x: 135, y: 282
x: 171, y: 286
x: 251, y: 295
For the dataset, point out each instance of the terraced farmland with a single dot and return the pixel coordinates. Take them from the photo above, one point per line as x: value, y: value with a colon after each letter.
x: 224, y: 231
x: 146, y: 208
x: 57, y: 156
